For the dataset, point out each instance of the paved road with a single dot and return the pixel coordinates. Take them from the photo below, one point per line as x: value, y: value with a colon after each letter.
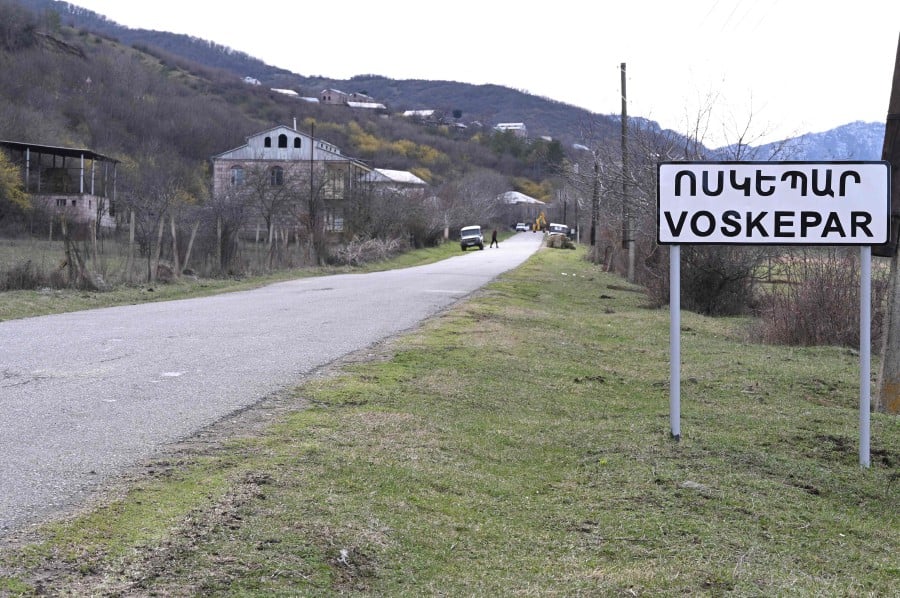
x: 87, y: 394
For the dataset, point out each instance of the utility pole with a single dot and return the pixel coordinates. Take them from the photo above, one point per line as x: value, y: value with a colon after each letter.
x: 888, y: 399
x: 595, y: 204
x: 627, y: 233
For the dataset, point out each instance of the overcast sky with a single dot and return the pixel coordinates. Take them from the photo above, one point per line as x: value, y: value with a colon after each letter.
x: 789, y: 66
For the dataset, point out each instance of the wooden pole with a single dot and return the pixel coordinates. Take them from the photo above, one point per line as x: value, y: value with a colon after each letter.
x: 888, y: 399
x: 175, y: 262
x: 129, y: 262
x: 627, y: 232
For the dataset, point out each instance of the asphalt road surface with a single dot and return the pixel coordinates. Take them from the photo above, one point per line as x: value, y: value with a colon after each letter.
x: 87, y: 394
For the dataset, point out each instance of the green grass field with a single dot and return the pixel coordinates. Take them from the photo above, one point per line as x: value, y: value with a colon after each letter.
x: 517, y: 445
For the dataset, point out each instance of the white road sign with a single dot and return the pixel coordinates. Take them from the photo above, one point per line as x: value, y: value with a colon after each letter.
x: 774, y: 203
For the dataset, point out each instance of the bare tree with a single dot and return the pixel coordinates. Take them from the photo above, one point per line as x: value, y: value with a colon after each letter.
x: 226, y: 215
x: 153, y: 191
x: 590, y: 175
x: 312, y: 193
x: 471, y: 199
x: 716, y: 280
x: 719, y: 281
x: 269, y: 189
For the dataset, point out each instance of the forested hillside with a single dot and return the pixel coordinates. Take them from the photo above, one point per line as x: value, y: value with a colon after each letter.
x: 65, y: 86
x: 488, y: 104
x: 164, y: 116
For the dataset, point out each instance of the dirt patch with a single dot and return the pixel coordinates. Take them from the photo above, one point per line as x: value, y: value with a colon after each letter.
x: 148, y: 569
x: 252, y: 420
x: 91, y: 574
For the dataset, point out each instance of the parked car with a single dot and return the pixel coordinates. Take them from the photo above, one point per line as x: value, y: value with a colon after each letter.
x: 521, y: 227
x: 558, y: 229
x: 470, y: 236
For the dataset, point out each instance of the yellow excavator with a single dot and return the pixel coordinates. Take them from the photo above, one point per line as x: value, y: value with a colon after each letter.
x: 540, y: 223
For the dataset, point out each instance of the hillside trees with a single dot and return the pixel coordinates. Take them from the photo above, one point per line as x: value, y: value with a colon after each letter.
x: 13, y: 199
x: 18, y: 27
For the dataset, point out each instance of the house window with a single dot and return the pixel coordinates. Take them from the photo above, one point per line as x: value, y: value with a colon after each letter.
x: 334, y: 184
x: 267, y: 142
x: 282, y: 140
x: 334, y: 221
x: 296, y: 142
x: 237, y: 176
x: 277, y: 176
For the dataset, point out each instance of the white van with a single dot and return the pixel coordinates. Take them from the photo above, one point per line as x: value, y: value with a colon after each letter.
x: 558, y: 229
x: 470, y: 236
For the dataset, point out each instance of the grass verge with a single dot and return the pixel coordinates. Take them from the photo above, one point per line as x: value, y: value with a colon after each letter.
x: 25, y: 304
x: 516, y: 445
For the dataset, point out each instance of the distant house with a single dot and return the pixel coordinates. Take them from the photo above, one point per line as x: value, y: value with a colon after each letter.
x: 517, y: 129
x: 77, y: 183
x: 428, y: 117
x: 333, y: 96
x: 516, y: 198
x: 518, y: 207
x: 282, y: 162
x: 393, y: 184
x: 423, y: 114
x: 400, y: 179
x: 368, y: 106
x: 353, y: 100
x: 251, y: 81
x: 360, y: 97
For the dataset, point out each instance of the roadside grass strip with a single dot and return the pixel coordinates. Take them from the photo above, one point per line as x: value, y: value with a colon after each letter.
x: 518, y: 444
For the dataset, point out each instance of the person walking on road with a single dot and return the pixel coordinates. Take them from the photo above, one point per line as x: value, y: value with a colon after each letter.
x: 494, y: 239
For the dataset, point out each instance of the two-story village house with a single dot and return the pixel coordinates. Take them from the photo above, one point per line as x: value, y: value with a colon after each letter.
x: 293, y: 166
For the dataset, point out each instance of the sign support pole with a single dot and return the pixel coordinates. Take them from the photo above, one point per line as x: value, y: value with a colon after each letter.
x: 675, y: 340
x: 772, y: 203
x: 865, y: 350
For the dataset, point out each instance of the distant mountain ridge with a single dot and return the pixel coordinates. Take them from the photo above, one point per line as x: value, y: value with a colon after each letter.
x: 854, y: 141
x: 486, y: 103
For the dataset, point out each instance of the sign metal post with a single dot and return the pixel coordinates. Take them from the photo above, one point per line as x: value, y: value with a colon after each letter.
x: 675, y: 341
x: 865, y: 351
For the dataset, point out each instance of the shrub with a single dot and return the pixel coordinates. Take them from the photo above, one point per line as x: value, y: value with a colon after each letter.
x: 715, y: 280
x: 817, y: 303
x: 364, y: 251
x: 720, y: 280
x: 23, y: 277
x: 559, y: 242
